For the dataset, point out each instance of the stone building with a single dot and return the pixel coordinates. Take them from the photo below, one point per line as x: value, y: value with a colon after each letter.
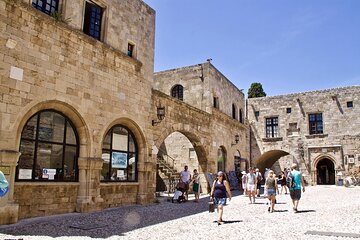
x: 319, y: 130
x: 75, y: 81
x: 204, y: 87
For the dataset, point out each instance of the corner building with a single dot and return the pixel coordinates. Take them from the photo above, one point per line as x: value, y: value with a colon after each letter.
x: 75, y: 81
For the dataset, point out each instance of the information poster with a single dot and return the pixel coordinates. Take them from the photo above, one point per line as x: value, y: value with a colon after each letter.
x: 119, y: 160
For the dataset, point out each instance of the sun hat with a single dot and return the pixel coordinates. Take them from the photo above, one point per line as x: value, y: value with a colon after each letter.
x: 220, y: 173
x: 243, y: 172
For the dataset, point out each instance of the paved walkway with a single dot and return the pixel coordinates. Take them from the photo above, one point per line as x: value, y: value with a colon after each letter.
x: 327, y: 209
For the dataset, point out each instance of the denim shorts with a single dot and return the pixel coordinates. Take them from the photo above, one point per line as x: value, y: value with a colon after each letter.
x: 220, y: 201
x: 271, y: 192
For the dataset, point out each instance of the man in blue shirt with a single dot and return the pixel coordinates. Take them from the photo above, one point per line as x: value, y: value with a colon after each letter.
x: 295, y: 192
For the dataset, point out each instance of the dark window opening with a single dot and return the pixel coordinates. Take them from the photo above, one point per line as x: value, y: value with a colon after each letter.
x: 46, y: 6
x: 315, y: 123
x: 177, y: 92
x: 272, y: 127
x: 92, y: 20
x: 120, y: 156
x: 131, y: 48
x: 216, y: 102
x: 233, y: 111
x: 49, y: 149
x: 349, y: 104
x: 257, y: 113
x: 288, y: 110
x: 241, y: 116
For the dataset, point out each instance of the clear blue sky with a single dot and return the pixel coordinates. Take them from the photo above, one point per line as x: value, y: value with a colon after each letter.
x: 289, y: 46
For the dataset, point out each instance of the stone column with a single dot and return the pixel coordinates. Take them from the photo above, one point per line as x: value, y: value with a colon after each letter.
x: 89, y: 198
x: 147, y: 180
x: 9, y: 210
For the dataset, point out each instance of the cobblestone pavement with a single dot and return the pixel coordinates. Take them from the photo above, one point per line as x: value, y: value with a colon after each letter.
x: 322, y: 208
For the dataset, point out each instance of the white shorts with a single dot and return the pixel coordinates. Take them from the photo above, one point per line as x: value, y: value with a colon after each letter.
x: 251, y: 187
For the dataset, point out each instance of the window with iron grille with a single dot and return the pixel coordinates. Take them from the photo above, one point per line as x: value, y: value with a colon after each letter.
x: 315, y: 123
x: 46, y: 6
x: 92, y: 20
x: 272, y: 127
x: 177, y: 92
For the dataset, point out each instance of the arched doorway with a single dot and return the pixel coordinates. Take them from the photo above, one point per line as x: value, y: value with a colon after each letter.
x: 221, y: 162
x: 325, y: 172
x: 237, y: 161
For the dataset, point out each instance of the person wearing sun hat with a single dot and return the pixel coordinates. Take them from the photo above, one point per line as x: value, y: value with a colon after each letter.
x: 218, y: 194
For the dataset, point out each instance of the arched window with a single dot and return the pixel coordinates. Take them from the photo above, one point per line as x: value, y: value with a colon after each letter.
x: 177, y: 92
x: 49, y: 148
x: 233, y: 111
x: 241, y: 116
x: 119, y: 152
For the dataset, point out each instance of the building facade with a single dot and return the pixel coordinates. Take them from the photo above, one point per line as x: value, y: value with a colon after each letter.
x: 318, y: 130
x: 75, y: 79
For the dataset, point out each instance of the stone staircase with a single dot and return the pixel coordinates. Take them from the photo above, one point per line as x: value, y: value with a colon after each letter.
x: 166, y: 170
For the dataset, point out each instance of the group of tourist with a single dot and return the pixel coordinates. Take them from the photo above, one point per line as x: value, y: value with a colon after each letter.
x: 251, y: 183
x: 187, y: 179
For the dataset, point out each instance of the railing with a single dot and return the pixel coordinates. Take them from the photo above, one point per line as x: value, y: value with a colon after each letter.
x: 168, y: 163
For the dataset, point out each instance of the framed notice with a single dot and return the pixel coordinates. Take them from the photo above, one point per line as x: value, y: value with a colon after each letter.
x: 25, y: 173
x: 119, y: 160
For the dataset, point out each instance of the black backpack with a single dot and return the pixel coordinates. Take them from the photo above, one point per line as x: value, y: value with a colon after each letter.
x: 290, y: 183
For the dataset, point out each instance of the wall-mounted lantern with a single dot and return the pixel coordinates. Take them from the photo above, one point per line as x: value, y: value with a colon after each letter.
x: 160, y: 112
x: 237, y: 138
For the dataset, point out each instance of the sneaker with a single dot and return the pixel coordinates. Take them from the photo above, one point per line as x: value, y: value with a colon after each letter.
x: 269, y: 209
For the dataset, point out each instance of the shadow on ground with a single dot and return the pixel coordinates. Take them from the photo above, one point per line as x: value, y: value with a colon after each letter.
x: 304, y: 211
x: 110, y: 222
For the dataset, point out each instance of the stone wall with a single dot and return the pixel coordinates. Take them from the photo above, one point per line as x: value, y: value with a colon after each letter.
x: 115, y: 195
x: 41, y: 199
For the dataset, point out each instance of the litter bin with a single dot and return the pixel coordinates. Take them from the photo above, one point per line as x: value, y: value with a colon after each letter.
x: 340, y: 182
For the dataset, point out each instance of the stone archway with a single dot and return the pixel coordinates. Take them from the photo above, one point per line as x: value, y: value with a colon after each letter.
x: 325, y: 172
x: 178, y: 149
x: 267, y: 159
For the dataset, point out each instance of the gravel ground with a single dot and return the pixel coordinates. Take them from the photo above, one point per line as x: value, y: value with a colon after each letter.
x: 322, y: 208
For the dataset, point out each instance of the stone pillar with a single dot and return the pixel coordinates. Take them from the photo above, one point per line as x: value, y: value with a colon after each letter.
x: 9, y: 210
x: 147, y: 181
x: 89, y: 198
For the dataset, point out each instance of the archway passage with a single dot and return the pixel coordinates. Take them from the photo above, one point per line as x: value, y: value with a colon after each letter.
x: 268, y: 159
x: 325, y: 172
